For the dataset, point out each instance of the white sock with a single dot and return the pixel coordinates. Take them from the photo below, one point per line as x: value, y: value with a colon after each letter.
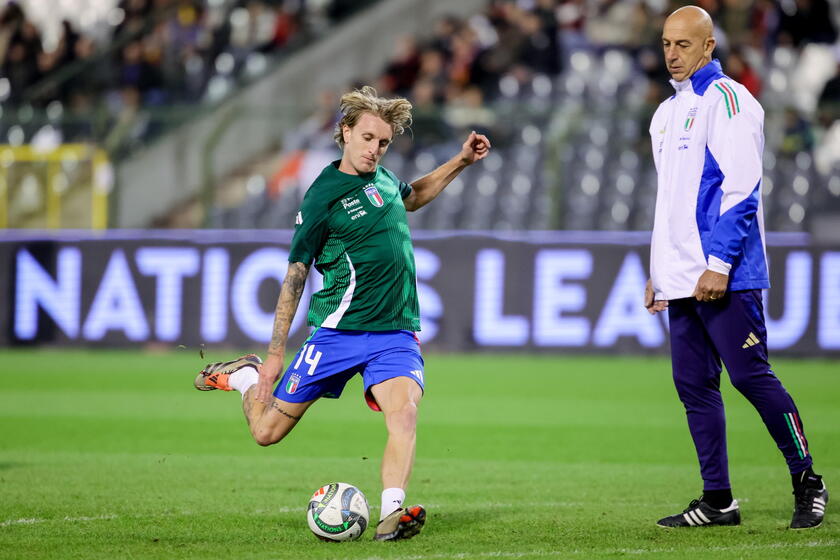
x: 244, y: 379
x: 392, y: 500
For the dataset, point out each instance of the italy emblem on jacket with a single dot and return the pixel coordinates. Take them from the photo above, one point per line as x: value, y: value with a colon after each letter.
x: 689, y: 119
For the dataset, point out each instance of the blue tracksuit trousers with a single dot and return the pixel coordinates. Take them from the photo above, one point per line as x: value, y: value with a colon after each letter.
x: 730, y: 330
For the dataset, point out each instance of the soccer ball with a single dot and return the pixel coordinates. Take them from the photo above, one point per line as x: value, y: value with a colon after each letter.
x: 338, y: 512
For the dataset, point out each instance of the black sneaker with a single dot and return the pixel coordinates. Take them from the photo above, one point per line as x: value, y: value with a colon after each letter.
x: 809, y: 506
x: 699, y: 513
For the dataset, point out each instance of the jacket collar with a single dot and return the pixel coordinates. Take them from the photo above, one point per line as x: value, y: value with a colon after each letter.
x: 700, y: 80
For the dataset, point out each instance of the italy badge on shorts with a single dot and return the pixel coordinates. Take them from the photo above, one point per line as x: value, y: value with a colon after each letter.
x: 292, y: 385
x: 373, y: 195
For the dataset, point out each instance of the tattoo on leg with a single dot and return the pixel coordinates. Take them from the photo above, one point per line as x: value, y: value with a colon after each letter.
x: 247, y: 405
x: 253, y: 408
x: 276, y: 407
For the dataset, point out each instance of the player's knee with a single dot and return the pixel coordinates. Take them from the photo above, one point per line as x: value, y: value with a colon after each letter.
x: 403, y: 420
x: 262, y: 438
x: 265, y: 436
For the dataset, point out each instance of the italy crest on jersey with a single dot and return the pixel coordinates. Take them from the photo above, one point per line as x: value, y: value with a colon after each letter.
x: 292, y: 385
x: 373, y: 195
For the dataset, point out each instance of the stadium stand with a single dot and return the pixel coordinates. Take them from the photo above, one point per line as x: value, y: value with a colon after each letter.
x: 588, y: 122
x: 565, y: 88
x: 166, y: 54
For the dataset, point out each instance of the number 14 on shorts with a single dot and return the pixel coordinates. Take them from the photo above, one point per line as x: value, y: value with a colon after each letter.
x: 310, y: 356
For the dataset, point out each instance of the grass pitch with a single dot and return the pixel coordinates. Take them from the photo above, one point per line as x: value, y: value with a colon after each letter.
x: 108, y: 454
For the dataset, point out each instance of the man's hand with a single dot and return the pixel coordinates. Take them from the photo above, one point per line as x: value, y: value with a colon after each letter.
x: 653, y: 306
x: 711, y: 286
x: 269, y: 372
x: 475, y: 148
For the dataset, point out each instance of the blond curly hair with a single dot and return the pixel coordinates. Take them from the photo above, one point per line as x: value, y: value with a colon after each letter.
x: 396, y: 112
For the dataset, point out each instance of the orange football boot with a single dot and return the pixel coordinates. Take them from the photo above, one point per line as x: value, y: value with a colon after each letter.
x: 403, y: 523
x: 216, y: 375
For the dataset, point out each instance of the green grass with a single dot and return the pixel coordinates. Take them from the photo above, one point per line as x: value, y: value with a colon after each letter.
x: 108, y: 454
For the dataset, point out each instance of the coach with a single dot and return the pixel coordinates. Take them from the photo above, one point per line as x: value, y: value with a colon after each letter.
x: 708, y: 268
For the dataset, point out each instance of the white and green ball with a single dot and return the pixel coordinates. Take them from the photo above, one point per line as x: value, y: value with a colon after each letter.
x: 338, y: 512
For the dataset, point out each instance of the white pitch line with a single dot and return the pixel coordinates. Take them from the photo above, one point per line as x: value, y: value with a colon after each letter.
x: 562, y: 553
x: 28, y: 521
x: 34, y: 520
x: 301, y: 510
x: 469, y: 555
x: 770, y: 546
x: 263, y: 511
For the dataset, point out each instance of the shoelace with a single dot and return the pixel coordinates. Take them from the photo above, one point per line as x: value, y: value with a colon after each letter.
x: 692, y: 505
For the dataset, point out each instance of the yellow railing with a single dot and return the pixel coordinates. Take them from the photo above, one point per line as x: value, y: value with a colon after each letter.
x: 63, y: 187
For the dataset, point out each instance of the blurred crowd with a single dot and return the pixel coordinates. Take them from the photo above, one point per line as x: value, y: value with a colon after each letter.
x: 159, y: 53
x: 454, y: 76
x: 484, y: 72
x: 150, y: 53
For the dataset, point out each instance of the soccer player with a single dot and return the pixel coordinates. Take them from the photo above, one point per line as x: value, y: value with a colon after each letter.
x: 352, y: 224
x: 708, y: 268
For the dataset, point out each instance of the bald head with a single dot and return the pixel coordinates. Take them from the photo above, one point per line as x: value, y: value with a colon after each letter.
x: 692, y: 17
x: 687, y: 41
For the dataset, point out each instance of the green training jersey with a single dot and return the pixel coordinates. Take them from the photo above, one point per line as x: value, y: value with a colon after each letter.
x: 355, y: 229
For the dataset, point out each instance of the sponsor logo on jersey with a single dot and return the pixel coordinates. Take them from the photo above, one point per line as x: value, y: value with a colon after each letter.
x: 418, y: 373
x: 292, y: 385
x: 373, y: 195
x: 350, y: 203
x: 298, y: 219
x: 354, y: 208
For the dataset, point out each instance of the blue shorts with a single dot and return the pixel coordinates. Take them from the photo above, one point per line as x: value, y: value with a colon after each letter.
x: 330, y: 357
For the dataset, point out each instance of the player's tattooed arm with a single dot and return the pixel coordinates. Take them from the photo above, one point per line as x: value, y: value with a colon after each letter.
x: 287, y: 305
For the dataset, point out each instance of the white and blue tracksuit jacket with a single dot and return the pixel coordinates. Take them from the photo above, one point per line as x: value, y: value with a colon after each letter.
x: 708, y: 140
